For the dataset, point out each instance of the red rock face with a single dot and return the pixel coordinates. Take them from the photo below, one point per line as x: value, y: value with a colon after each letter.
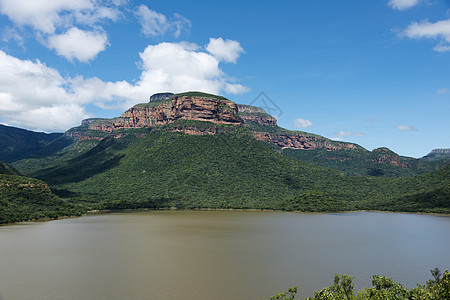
x: 387, y: 156
x: 391, y: 159
x: 301, y: 142
x: 182, y: 108
x: 211, y: 110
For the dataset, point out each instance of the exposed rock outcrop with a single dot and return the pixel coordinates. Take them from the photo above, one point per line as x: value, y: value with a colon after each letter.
x: 179, y: 108
x: 386, y: 155
x: 87, y: 122
x: 302, y: 142
x: 160, y: 96
x: 254, y: 114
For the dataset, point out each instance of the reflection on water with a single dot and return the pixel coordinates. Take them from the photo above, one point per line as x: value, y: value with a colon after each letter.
x: 214, y: 255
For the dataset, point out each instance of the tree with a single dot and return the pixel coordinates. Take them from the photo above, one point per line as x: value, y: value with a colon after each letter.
x: 289, y: 295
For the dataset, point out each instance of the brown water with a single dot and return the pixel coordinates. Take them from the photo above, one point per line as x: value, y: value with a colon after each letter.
x: 214, y: 255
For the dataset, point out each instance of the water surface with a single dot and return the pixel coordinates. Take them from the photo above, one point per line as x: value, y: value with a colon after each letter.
x: 215, y: 255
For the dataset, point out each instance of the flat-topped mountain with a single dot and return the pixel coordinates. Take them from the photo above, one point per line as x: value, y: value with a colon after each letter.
x: 437, y: 154
x: 180, y: 112
x: 169, y: 110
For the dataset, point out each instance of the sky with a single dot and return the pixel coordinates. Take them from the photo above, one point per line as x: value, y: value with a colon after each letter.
x: 376, y: 73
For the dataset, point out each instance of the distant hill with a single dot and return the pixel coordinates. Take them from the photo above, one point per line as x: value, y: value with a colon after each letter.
x: 16, y: 143
x: 437, y: 154
x: 26, y: 199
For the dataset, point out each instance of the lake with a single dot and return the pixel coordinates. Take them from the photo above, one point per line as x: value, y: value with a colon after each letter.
x: 215, y: 254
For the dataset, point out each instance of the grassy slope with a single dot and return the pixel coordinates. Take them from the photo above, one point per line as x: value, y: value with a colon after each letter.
x: 228, y: 171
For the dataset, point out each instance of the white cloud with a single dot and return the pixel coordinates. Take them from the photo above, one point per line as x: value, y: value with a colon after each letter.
x: 405, y: 127
x: 441, y: 47
x: 302, y: 123
x: 35, y: 96
x: 47, y: 15
x: 442, y: 91
x: 78, y: 44
x: 341, y: 134
x: 175, y: 67
x: 32, y: 95
x: 42, y: 15
x: 50, y: 18
x: 154, y: 23
x: 403, y: 4
x: 10, y: 33
x: 424, y: 29
x: 224, y: 50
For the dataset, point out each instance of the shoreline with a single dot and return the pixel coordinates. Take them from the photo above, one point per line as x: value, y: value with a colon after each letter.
x: 106, y: 211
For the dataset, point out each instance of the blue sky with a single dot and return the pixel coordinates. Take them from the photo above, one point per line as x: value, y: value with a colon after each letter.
x: 376, y: 73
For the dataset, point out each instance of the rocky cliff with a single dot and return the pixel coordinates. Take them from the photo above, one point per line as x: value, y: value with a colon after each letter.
x: 197, y: 106
x: 437, y: 154
x: 293, y: 141
x: 253, y: 114
x: 168, y: 111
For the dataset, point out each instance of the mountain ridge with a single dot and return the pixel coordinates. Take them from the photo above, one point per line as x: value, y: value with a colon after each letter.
x: 202, y: 107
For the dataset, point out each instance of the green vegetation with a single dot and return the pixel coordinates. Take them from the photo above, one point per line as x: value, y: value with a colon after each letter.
x: 343, y: 288
x: 438, y: 154
x: 16, y: 143
x: 154, y: 103
x: 222, y: 167
x: 356, y: 162
x: 26, y: 199
x: 160, y: 169
x: 200, y: 94
x: 31, y: 165
x: 7, y: 169
x: 275, y: 129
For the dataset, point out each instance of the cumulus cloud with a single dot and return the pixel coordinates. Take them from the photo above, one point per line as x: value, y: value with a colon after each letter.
x: 302, y: 123
x: 224, y: 50
x: 36, y: 96
x: 425, y: 29
x: 341, y: 134
x: 154, y: 23
x: 403, y: 4
x: 78, y: 44
x: 175, y: 67
x: 442, y: 91
x: 46, y: 16
x: 49, y: 19
x: 405, y: 127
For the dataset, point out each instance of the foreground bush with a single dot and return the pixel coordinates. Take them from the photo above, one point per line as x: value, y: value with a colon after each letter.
x: 384, y: 288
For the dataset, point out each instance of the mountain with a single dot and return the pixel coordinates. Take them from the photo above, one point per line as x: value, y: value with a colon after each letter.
x: 437, y: 154
x: 349, y: 158
x: 196, y: 150
x: 16, y: 143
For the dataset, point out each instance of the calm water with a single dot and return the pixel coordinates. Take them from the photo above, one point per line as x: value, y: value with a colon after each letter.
x: 214, y: 255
